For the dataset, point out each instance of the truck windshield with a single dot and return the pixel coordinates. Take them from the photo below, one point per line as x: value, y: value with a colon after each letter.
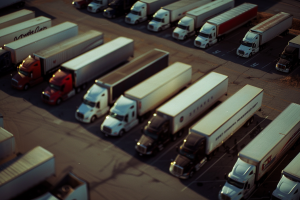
x: 151, y: 134
x: 186, y: 153
x: 134, y: 12
x: 235, y: 183
x: 287, y: 57
x: 247, y: 44
x: 24, y: 73
x: 182, y: 27
x: 115, y: 115
x: 157, y: 19
x: 89, y: 103
x: 204, y: 35
x: 55, y: 87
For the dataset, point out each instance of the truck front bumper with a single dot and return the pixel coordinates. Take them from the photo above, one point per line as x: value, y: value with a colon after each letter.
x: 47, y: 100
x: 242, y: 55
x: 199, y: 44
x: 80, y: 117
x: 15, y: 85
x: 282, y: 70
x: 183, y: 176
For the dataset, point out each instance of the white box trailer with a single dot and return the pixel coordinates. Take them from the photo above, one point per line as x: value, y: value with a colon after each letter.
x: 289, y: 184
x: 259, y: 35
x: 7, y: 143
x: 76, y: 73
x: 25, y: 171
x: 17, y: 3
x: 138, y: 101
x: 210, y: 132
x: 180, y: 111
x: 143, y: 9
x: 262, y: 153
x: 171, y: 13
x: 24, y: 29
x: 195, y: 18
x: 20, y: 49
x: 15, y: 18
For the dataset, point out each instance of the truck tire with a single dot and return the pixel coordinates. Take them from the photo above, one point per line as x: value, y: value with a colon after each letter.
x: 251, y: 119
x: 26, y: 87
x: 83, y: 86
x: 174, y: 137
x: 247, y: 124
x: 78, y: 90
x: 184, y: 38
x: 121, y: 133
x: 250, y: 55
x: 58, y: 101
x: 93, y: 118
x: 180, y: 133
x: 191, y: 174
x: 207, y: 45
x: 209, y: 156
x: 159, y: 29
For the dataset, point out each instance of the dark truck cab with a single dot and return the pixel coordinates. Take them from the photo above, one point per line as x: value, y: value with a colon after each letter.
x: 191, y: 156
x: 288, y: 59
x: 155, y: 135
x: 5, y: 61
x: 117, y: 8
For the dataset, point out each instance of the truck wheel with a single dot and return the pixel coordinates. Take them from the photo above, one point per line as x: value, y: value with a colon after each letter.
x: 251, y: 119
x: 191, y: 174
x: 58, y: 101
x: 93, y: 118
x: 121, y: 133
x: 247, y: 124
x: 185, y: 37
x: 180, y: 133
x: 26, y: 87
x: 250, y: 55
x: 209, y: 156
x: 159, y: 30
x: 174, y: 137
x: 78, y: 90
x: 206, y: 46
x: 98, y: 10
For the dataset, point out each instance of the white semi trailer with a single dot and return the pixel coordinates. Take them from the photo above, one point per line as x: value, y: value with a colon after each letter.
x: 15, y: 18
x: 140, y: 100
x: 256, y: 160
x: 170, y: 119
x: 256, y: 38
x: 210, y: 132
x: 289, y: 185
x: 7, y: 143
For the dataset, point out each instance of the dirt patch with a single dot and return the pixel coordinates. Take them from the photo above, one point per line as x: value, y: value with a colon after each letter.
x: 291, y: 80
x: 262, y: 16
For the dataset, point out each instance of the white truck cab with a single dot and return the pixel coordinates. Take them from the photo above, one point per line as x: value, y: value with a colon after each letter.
x: 160, y: 21
x: 249, y: 45
x: 122, y: 117
x: 287, y: 189
x: 207, y: 36
x: 240, y: 181
x: 94, y: 105
x: 97, y: 5
x: 138, y: 13
x: 185, y: 28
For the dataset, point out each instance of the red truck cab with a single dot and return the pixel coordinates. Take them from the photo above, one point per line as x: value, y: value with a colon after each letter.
x: 60, y: 88
x: 81, y: 3
x: 29, y: 74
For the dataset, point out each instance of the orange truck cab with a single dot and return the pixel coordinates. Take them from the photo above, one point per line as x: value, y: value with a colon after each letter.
x: 29, y: 74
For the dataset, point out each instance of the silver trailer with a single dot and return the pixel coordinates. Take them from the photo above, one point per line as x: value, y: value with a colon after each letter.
x: 7, y: 143
x: 20, y: 49
x: 96, y: 62
x: 15, y: 18
x: 24, y: 29
x: 25, y: 171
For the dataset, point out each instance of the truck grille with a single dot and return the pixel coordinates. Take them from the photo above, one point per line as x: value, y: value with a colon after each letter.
x: 90, y: 8
x: 241, y: 52
x: 280, y: 66
x: 80, y: 115
x: 142, y: 148
x: 14, y: 82
x: 128, y: 19
x: 46, y: 97
x: 105, y: 14
x: 225, y: 197
x: 178, y: 170
x: 106, y: 129
x: 176, y: 35
x: 150, y: 26
x: 198, y: 43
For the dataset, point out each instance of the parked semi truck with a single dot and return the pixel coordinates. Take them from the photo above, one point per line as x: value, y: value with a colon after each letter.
x: 7, y: 143
x: 13, y: 53
x: 144, y: 9
x: 117, y: 8
x: 137, y: 103
x: 170, y: 119
x: 15, y: 18
x: 25, y: 171
x: 17, y: 3
x: 256, y: 38
x: 256, y: 160
x: 81, y: 3
x: 70, y: 187
x: 194, y: 19
x: 74, y: 75
x: 43, y: 63
x: 289, y: 184
x: 24, y: 29
x: 170, y: 14
x: 215, y: 29
x: 106, y: 90
x: 210, y: 132
x: 290, y: 57
x: 98, y: 5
